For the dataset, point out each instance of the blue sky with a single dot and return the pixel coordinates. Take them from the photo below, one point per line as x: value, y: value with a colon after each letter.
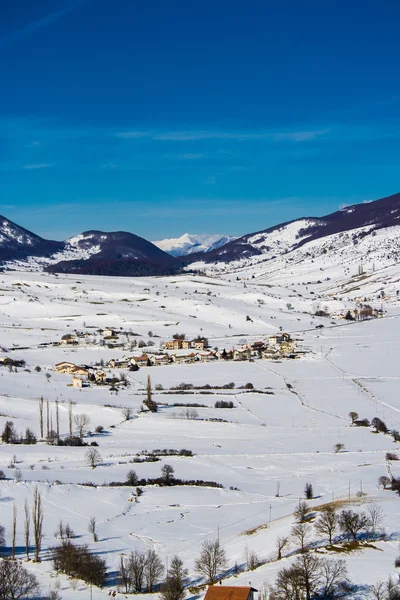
x: 203, y: 116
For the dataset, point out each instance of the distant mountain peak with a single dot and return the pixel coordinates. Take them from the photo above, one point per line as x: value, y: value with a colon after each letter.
x: 190, y: 243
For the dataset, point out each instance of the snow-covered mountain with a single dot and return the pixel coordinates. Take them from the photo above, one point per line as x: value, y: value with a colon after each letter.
x: 91, y: 252
x: 191, y: 243
x: 337, y: 235
x: 18, y: 243
x: 362, y: 219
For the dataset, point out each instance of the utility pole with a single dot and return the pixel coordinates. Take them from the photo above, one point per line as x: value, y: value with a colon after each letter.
x: 349, y: 490
x: 270, y: 509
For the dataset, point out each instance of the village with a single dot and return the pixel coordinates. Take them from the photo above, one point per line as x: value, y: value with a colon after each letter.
x: 178, y: 350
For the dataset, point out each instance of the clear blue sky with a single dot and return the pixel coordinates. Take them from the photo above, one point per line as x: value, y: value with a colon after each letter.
x: 160, y: 117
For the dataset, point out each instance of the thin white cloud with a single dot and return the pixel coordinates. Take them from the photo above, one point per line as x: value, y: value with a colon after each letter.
x: 132, y: 134
x: 187, y: 136
x: 20, y: 34
x: 38, y: 166
x: 190, y: 156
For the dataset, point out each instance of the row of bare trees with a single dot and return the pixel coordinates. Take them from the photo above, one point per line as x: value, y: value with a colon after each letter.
x: 141, y: 571
x: 329, y: 523
x: 81, y: 421
x: 33, y: 523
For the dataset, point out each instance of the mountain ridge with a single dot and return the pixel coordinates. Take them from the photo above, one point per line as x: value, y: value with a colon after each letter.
x: 292, y: 234
x: 124, y: 253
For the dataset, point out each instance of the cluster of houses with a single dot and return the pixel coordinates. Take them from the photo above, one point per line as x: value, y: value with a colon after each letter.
x: 80, y: 374
x: 200, y: 343
x: 276, y: 346
x: 109, y: 335
x: 359, y: 314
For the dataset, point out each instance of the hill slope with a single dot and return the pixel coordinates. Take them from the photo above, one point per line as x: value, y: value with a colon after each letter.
x: 278, y: 240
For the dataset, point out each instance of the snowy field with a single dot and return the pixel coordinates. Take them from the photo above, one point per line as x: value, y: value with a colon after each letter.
x: 276, y: 438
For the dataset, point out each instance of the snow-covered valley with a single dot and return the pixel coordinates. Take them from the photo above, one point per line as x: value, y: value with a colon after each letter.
x: 280, y: 434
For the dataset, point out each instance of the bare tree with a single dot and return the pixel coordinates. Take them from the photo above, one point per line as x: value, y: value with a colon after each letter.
x: 16, y: 582
x: 93, y: 457
x: 127, y: 413
x: 301, y: 533
x: 149, y: 392
x: 375, y: 517
x: 57, y: 419
x: 334, y: 581
x: 41, y: 416
x: 2, y: 536
x: 92, y: 528
x: 309, y: 567
x: 60, y: 531
x: 13, y: 530
x: 154, y: 568
x: 69, y: 532
x: 392, y: 590
x: 124, y: 575
x: 327, y: 523
x: 47, y: 420
x: 308, y: 491
x: 211, y: 561
x: 81, y: 421
x: 338, y: 448
x: 136, y: 566
x: 70, y: 419
x: 27, y: 527
x: 379, y: 590
x: 352, y: 523
x: 174, y: 586
x: 37, y: 520
x: 288, y: 584
x: 167, y: 472
x: 353, y: 416
x: 281, y: 543
x: 384, y: 481
x: 131, y: 477
x: 312, y: 577
x: 301, y: 510
x: 251, y: 559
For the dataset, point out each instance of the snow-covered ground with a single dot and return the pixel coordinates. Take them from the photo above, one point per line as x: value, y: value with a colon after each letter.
x: 268, y: 441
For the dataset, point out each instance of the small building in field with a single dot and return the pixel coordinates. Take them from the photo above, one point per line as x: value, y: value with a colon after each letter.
x: 80, y: 371
x: 174, y: 344
x: 140, y: 361
x: 269, y: 353
x: 69, y: 338
x: 223, y: 354
x: 205, y: 356
x: 230, y: 592
x: 200, y: 343
x: 100, y: 376
x: 77, y: 382
x: 109, y: 333
x: 124, y: 363
x: 183, y: 358
x: 258, y: 346
x: 159, y: 359
x: 65, y: 367
x: 241, y: 354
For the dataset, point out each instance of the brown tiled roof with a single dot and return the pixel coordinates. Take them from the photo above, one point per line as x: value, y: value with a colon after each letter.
x: 225, y: 592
